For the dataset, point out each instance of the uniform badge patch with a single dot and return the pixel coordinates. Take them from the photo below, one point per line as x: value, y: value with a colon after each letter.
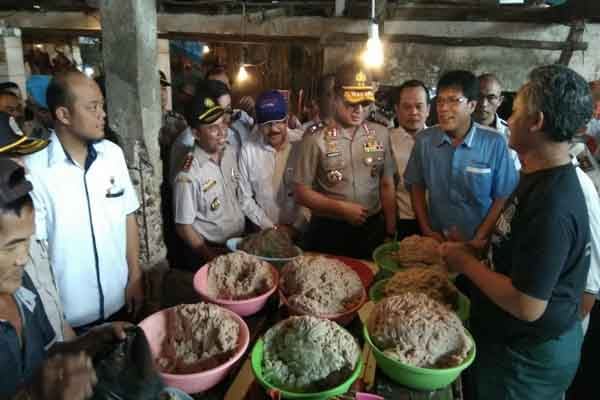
x: 215, y: 204
x: 209, y: 184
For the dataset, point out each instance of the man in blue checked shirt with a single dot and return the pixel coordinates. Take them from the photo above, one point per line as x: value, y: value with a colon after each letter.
x: 463, y: 168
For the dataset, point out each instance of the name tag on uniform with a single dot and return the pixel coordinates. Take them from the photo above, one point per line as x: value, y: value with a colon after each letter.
x: 373, y: 147
x: 477, y: 170
x: 333, y: 154
x: 208, y: 185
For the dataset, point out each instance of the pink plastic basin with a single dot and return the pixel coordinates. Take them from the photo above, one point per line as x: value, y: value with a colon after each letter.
x: 243, y: 308
x: 155, y: 329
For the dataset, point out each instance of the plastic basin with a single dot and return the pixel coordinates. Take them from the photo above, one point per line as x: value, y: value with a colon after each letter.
x: 233, y: 243
x: 244, y: 307
x: 415, y: 377
x: 463, y: 306
x: 257, y: 358
x: 155, y: 329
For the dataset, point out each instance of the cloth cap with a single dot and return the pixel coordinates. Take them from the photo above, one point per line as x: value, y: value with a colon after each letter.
x: 205, y: 109
x: 37, y: 86
x: 13, y: 141
x: 13, y: 184
x: 270, y: 106
x: 355, y: 84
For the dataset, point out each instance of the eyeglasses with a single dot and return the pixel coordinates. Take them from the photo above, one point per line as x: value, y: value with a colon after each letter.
x: 274, y: 124
x: 363, y: 104
x: 450, y: 101
x: 490, y: 98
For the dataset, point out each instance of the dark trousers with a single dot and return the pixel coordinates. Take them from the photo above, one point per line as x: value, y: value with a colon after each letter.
x: 332, y: 236
x: 121, y: 315
x: 406, y: 228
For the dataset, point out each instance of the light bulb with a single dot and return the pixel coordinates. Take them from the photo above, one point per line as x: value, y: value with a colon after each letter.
x: 373, y: 55
x: 205, y: 49
x: 89, y: 71
x: 242, y: 74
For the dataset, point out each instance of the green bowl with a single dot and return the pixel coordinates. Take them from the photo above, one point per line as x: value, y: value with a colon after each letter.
x: 383, y: 259
x: 415, y: 377
x: 257, y: 358
x: 463, y: 308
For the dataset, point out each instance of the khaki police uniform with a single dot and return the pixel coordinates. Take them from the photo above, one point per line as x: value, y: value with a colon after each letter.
x: 347, y: 165
x: 206, y: 196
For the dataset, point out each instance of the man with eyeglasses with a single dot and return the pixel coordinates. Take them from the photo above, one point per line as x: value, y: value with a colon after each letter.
x: 345, y: 174
x: 267, y: 168
x: 463, y: 168
x: 206, y: 205
x: 486, y: 112
x: 85, y: 207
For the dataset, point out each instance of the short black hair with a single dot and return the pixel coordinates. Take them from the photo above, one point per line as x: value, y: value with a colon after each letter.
x: 213, y: 88
x: 9, y: 85
x: 413, y: 83
x: 16, y: 206
x: 59, y: 93
x: 463, y: 80
x: 216, y: 69
x: 563, y: 96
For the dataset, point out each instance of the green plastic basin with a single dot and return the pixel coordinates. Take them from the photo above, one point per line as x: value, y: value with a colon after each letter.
x: 257, y: 358
x: 415, y: 377
x: 463, y: 308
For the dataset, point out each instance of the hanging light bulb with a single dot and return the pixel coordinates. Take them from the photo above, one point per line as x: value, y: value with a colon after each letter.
x: 373, y: 54
x: 205, y: 49
x: 242, y: 75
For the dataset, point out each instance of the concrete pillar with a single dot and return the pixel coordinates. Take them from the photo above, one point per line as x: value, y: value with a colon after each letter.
x: 12, y: 66
x: 164, y: 64
x: 129, y: 46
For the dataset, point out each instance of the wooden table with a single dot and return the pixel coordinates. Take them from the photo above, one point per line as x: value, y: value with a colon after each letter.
x: 240, y: 384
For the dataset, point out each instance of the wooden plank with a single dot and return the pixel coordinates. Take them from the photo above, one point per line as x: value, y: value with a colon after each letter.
x: 342, y: 38
x: 575, y: 36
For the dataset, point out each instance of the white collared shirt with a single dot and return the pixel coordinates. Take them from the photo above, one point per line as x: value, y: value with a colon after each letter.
x: 402, y: 144
x: 592, y: 202
x: 502, y: 126
x: 261, y: 202
x: 82, y: 214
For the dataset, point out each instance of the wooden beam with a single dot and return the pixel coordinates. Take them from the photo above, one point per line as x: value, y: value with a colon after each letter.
x: 241, y: 39
x: 342, y: 38
x: 574, y: 39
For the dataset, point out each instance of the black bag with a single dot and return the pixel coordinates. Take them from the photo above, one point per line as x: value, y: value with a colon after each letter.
x: 126, y: 371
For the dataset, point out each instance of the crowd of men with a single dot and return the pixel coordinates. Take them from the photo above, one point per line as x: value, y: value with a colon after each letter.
x: 515, y: 214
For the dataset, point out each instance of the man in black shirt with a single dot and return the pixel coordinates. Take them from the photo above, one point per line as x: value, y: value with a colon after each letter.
x: 525, y: 306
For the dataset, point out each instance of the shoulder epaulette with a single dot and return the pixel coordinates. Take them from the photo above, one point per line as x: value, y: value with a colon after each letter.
x: 314, y: 128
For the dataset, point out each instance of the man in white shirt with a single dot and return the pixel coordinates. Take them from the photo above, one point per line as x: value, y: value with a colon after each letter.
x: 267, y: 169
x: 411, y: 104
x: 85, y: 205
x: 592, y: 286
x: 486, y: 112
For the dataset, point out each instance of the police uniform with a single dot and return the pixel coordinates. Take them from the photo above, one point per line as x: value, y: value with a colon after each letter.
x: 347, y: 165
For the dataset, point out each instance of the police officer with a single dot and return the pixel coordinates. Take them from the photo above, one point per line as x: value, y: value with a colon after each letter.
x: 206, y: 206
x: 344, y: 174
